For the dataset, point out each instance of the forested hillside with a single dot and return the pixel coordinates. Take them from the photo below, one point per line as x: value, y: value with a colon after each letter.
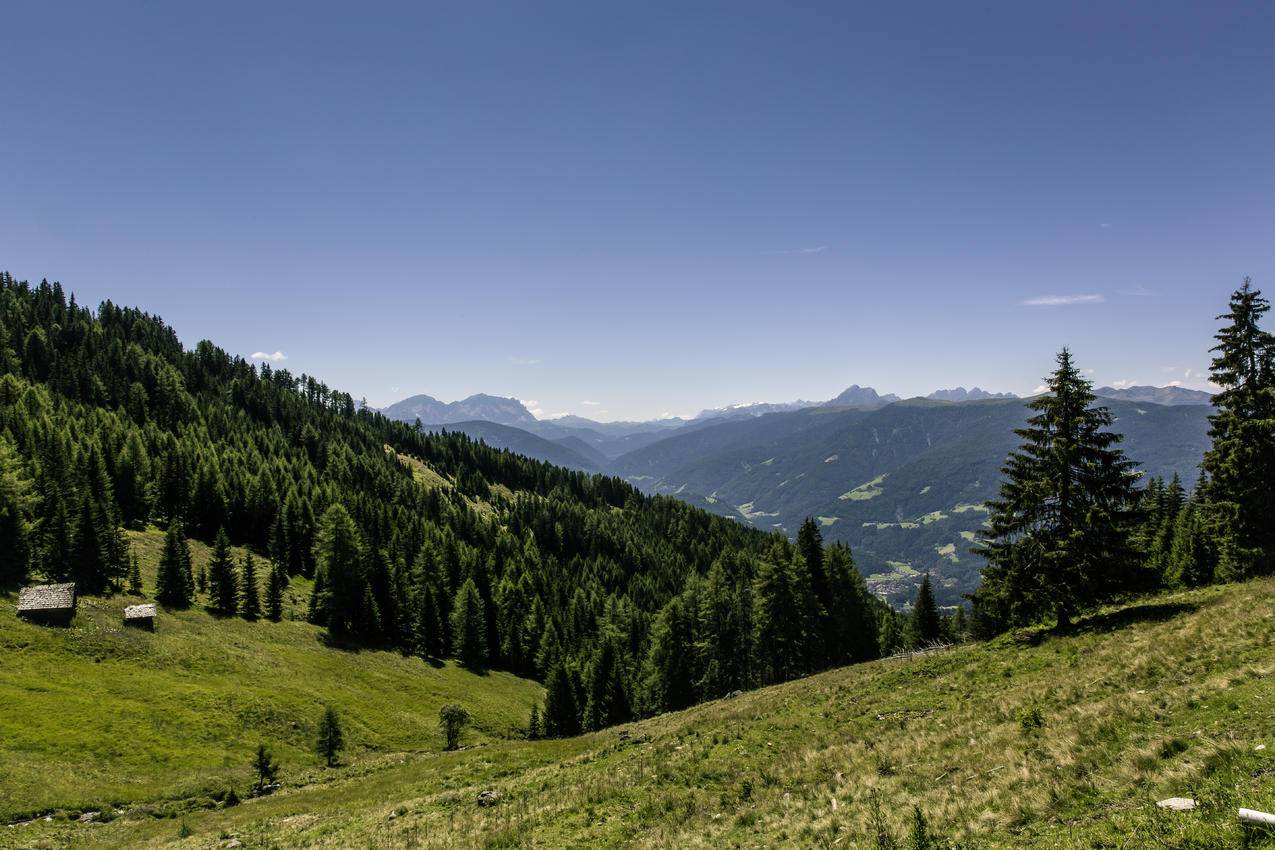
x: 435, y: 544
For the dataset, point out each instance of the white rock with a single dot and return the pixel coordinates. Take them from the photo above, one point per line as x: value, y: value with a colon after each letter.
x: 1177, y: 804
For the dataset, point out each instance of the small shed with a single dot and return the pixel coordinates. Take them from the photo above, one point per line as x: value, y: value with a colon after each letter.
x: 140, y: 616
x: 49, y: 604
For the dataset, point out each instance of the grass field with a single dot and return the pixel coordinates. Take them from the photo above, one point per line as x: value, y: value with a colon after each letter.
x: 97, y: 716
x: 1033, y: 740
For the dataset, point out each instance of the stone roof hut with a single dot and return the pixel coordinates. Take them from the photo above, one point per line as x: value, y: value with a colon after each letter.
x: 50, y: 604
x: 140, y: 616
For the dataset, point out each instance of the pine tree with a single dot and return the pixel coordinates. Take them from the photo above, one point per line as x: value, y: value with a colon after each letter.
x: 853, y: 624
x: 724, y: 627
x: 889, y: 631
x: 264, y: 765
x: 1058, y: 537
x: 469, y: 627
x: 1190, y: 563
x: 249, y: 598
x: 810, y: 548
x: 223, y: 583
x: 562, y: 712
x: 1241, y: 461
x: 274, y: 593
x: 925, y: 625
x: 174, y: 585
x: 331, y: 739
x: 669, y: 672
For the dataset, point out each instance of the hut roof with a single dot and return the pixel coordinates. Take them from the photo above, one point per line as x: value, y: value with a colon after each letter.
x: 140, y: 612
x: 47, y: 597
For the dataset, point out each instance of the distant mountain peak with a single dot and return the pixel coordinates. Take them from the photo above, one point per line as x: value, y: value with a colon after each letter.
x: 962, y: 394
x: 1169, y: 395
x: 477, y: 407
x: 857, y: 396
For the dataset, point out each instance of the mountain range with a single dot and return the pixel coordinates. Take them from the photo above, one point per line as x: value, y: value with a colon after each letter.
x: 904, y: 482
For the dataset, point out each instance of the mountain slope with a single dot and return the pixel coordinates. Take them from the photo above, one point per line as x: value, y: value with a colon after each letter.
x: 1156, y: 395
x: 525, y: 443
x: 1047, y: 743
x: 902, y: 484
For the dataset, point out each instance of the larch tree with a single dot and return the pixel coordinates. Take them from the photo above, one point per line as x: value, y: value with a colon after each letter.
x: 249, y: 595
x: 174, y: 584
x: 469, y: 627
x: 223, y: 583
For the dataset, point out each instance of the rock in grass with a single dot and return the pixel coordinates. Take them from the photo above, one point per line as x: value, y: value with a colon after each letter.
x: 488, y: 798
x: 1177, y: 804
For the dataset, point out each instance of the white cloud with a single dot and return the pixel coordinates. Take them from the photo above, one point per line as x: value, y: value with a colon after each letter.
x: 591, y: 403
x: 818, y: 249
x: 1123, y: 384
x: 1174, y: 383
x: 528, y: 403
x: 273, y: 358
x: 1043, y: 388
x: 524, y: 361
x: 1105, y: 224
x: 1063, y: 300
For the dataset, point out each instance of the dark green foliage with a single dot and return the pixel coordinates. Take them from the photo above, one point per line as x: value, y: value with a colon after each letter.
x: 1240, y: 465
x: 469, y: 627
x: 340, y: 587
x: 1058, y: 537
x: 925, y: 625
x: 452, y: 720
x: 17, y: 505
x: 174, y: 585
x: 670, y: 661
x: 265, y: 767
x: 562, y: 712
x: 1191, y: 559
x: 920, y: 837
x: 779, y: 621
x: 852, y: 633
x: 274, y: 593
x: 134, y: 575
x: 223, y: 583
x: 535, y: 726
x: 249, y: 596
x: 607, y: 699
x: 331, y: 739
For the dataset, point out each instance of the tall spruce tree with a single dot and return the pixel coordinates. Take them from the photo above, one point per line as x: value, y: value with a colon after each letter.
x: 469, y: 627
x: 1240, y: 464
x: 669, y: 672
x: 562, y: 711
x: 174, y: 584
x: 340, y: 579
x: 607, y: 700
x: 854, y: 627
x: 1058, y: 536
x: 925, y: 626
x: 223, y: 584
x: 779, y: 620
x: 249, y: 596
x: 274, y: 593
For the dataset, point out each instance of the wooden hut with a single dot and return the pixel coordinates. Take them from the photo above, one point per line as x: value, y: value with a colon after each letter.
x: 140, y: 616
x: 48, y: 604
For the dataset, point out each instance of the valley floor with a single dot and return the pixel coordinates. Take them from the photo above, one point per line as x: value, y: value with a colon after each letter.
x: 1033, y: 740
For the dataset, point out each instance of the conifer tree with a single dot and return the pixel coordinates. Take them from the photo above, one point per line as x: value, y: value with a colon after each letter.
x: 340, y: 582
x: 174, y: 585
x: 223, y: 583
x: 724, y: 627
x: 779, y: 621
x: 535, y: 728
x: 264, y: 765
x: 1190, y: 562
x: 810, y: 548
x: 469, y: 627
x: 853, y: 624
x: 562, y: 712
x: 607, y: 700
x: 669, y: 670
x: 331, y: 739
x: 134, y: 575
x: 249, y: 597
x: 890, y: 632
x: 1058, y: 537
x: 17, y: 505
x: 925, y: 625
x: 1240, y: 464
x: 274, y: 593
x: 430, y: 639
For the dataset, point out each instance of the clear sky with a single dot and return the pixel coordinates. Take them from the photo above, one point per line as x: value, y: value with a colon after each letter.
x: 625, y: 211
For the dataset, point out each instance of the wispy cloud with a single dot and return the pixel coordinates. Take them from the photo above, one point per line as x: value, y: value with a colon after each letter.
x: 1124, y: 383
x: 818, y: 249
x: 524, y: 361
x: 591, y: 403
x: 273, y: 358
x: 1043, y: 388
x: 1141, y: 291
x: 1063, y: 300
x: 1104, y: 225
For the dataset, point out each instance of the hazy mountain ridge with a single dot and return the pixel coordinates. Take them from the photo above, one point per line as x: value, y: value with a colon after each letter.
x: 1157, y: 395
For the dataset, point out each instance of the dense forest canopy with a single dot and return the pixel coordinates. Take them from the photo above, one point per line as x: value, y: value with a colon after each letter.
x: 434, y: 543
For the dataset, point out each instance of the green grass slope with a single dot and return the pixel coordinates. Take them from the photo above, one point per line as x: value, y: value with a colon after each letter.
x: 97, y: 716
x: 1037, y: 741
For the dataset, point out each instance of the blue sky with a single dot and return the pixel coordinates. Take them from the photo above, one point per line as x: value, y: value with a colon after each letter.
x: 654, y: 207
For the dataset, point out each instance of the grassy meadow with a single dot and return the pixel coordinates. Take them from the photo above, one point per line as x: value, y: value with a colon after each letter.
x: 1034, y: 740
x: 98, y: 716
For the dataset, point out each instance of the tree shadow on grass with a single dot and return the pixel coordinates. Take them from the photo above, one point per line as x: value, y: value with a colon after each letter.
x: 1151, y: 612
